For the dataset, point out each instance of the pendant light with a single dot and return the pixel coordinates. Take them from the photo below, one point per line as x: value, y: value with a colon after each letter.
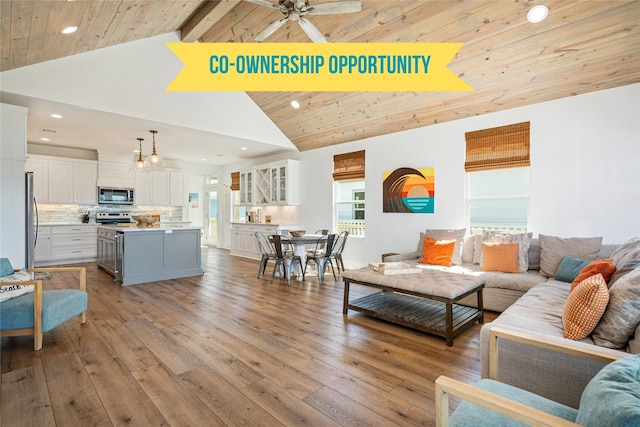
x: 154, y: 160
x: 138, y: 164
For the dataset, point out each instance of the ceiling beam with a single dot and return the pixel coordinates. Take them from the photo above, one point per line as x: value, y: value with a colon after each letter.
x: 207, y: 17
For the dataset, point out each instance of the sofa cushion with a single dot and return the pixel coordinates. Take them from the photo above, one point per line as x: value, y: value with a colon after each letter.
x: 553, y: 249
x: 622, y: 316
x: 457, y: 235
x: 584, y: 308
x: 500, y: 257
x: 626, y: 258
x: 569, y: 268
x: 469, y: 414
x: 13, y: 291
x: 612, y: 397
x: 437, y: 252
x: 523, y: 240
x: 599, y: 266
x: 5, y: 267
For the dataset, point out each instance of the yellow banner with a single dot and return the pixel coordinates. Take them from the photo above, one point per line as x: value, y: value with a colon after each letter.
x: 316, y: 67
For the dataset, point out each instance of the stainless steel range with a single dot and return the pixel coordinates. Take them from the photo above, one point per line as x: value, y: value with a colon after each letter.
x: 113, y: 217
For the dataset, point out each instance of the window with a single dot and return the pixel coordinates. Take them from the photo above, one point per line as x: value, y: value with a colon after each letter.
x: 350, y: 207
x: 499, y: 200
x: 497, y: 164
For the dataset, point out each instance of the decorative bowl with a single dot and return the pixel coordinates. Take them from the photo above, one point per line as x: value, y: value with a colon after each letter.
x: 297, y: 233
x: 144, y: 220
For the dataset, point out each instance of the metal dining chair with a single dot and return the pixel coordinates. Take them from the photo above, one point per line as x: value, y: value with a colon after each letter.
x: 285, y: 257
x: 338, y: 248
x: 322, y: 231
x: 267, y: 250
x: 321, y: 255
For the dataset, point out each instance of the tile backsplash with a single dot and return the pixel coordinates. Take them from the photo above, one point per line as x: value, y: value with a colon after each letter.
x: 72, y: 214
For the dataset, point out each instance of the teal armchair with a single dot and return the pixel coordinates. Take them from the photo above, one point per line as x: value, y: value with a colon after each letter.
x: 39, y: 311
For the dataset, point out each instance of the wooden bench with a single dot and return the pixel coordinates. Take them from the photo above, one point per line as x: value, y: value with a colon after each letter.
x: 425, y: 301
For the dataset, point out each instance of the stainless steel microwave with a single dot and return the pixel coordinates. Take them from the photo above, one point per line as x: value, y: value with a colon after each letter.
x: 116, y: 196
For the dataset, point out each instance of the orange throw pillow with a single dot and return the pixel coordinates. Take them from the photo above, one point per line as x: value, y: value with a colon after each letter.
x: 500, y: 257
x: 437, y: 252
x: 585, y: 306
x: 606, y: 267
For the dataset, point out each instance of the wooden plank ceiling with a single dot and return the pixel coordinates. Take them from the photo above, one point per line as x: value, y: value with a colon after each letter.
x: 583, y: 46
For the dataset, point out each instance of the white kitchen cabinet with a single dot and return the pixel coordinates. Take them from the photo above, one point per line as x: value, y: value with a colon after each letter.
x: 246, y: 187
x: 40, y: 169
x: 62, y: 180
x: 159, y: 188
x: 142, y: 189
x: 263, y: 184
x: 243, y: 240
x: 285, y: 182
x: 85, y: 182
x: 43, y: 245
x: 277, y: 183
x: 66, y: 244
x: 176, y: 189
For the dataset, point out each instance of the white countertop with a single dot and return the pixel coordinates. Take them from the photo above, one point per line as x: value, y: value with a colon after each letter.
x: 69, y: 224
x: 163, y: 227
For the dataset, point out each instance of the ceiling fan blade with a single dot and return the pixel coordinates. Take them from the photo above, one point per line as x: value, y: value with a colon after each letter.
x: 314, y: 34
x: 271, y: 29
x: 348, y: 6
x: 264, y: 3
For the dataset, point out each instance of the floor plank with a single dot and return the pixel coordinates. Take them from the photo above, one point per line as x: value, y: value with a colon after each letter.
x: 229, y: 349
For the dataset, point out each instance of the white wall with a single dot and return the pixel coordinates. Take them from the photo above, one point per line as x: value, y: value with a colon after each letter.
x: 585, y: 173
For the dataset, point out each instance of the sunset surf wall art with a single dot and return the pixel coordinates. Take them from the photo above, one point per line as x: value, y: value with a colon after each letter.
x: 408, y: 190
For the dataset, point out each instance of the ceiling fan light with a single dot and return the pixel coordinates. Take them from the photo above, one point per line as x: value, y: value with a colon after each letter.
x: 537, y: 13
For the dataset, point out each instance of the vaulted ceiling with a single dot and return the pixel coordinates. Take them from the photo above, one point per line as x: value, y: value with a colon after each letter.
x: 582, y: 46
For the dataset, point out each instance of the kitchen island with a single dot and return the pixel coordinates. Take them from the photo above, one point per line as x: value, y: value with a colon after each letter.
x: 134, y: 255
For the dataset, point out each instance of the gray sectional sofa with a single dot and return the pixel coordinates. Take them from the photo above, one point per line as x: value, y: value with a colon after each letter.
x: 533, y: 302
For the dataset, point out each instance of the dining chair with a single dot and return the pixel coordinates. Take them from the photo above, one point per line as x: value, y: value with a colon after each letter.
x: 285, y: 257
x: 321, y: 255
x: 267, y: 250
x: 338, y: 248
x: 322, y: 231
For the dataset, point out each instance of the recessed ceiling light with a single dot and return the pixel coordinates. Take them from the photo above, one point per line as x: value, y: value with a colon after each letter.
x: 295, y: 104
x: 204, y: 160
x: 537, y: 13
x: 45, y: 139
x: 70, y: 29
x: 243, y: 148
x: 56, y: 116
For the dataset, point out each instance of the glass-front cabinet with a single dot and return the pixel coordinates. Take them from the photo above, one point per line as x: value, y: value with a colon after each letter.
x: 246, y: 187
x: 276, y: 183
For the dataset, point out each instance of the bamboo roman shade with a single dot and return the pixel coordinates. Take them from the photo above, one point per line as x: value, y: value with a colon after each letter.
x: 235, y: 181
x: 498, y: 148
x: 348, y: 166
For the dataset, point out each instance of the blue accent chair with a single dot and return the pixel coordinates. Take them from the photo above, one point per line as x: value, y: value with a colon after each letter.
x: 40, y: 311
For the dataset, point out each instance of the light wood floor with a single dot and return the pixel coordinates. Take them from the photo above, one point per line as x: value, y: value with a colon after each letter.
x: 227, y: 349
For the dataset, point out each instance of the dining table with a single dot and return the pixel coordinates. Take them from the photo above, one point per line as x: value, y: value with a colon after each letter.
x: 300, y: 244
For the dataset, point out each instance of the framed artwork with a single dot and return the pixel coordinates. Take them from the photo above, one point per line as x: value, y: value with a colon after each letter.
x: 408, y: 190
x: 193, y: 200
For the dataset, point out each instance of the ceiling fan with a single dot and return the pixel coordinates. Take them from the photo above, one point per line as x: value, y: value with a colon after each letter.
x: 295, y: 10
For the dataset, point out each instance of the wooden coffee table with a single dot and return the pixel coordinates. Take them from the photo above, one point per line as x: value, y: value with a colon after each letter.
x: 424, y: 301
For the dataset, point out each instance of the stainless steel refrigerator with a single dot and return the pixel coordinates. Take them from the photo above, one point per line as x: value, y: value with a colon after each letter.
x: 31, y: 221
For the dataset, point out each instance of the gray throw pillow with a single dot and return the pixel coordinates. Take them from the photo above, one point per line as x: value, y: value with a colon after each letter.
x: 626, y: 258
x: 457, y: 235
x: 622, y: 316
x: 553, y: 249
x: 523, y: 240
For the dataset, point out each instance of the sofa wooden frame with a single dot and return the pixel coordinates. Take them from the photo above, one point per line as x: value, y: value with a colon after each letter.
x: 445, y: 386
x: 36, y: 331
